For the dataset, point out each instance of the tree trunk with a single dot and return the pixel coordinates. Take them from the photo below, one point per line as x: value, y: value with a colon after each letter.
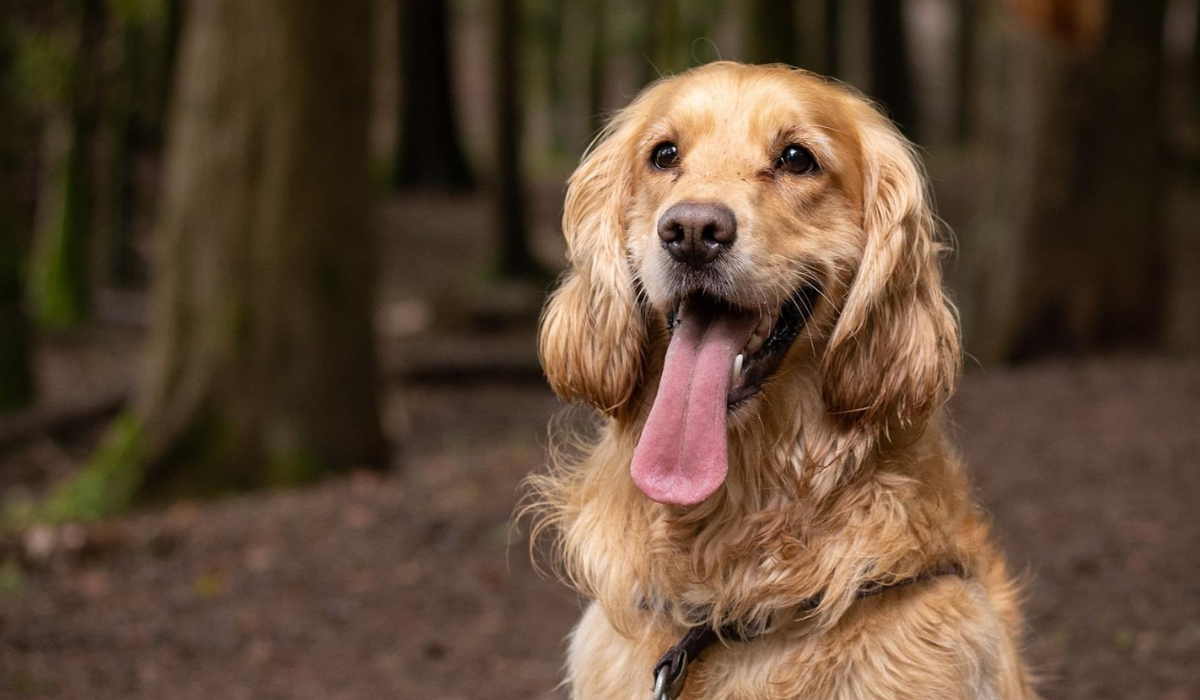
x: 771, y: 32
x: 428, y: 152
x: 1088, y: 262
x: 260, y: 363
x: 16, y: 378
x: 60, y: 275
x: 891, y: 69
x: 516, y: 260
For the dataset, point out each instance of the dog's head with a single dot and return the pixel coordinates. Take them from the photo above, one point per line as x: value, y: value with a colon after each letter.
x: 742, y: 208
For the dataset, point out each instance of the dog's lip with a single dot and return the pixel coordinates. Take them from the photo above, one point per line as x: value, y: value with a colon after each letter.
x: 785, y: 324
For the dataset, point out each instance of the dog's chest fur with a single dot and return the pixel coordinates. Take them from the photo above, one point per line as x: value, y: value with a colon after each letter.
x: 653, y: 574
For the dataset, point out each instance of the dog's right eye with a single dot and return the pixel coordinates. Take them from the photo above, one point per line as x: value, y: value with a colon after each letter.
x: 665, y: 155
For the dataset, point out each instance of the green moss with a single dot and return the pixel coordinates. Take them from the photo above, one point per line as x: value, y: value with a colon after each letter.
x: 108, y: 484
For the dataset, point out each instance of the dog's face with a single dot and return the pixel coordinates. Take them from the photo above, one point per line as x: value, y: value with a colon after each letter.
x: 746, y: 194
x: 743, y: 207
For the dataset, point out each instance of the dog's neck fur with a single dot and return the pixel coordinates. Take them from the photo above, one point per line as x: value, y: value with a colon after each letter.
x: 819, y: 512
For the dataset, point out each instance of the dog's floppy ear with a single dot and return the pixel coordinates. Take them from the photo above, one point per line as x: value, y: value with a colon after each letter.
x: 593, y: 332
x: 893, y: 356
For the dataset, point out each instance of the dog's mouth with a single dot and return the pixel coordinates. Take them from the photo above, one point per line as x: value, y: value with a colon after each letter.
x: 720, y: 356
x: 769, y: 341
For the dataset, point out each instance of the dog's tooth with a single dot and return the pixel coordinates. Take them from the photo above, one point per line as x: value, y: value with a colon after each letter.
x: 737, y: 366
x: 756, y: 342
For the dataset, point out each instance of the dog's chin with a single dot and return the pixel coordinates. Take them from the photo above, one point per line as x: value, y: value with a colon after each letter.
x: 768, y: 345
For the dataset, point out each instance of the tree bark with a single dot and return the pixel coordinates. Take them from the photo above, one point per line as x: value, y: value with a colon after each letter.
x: 891, y: 68
x: 260, y: 363
x: 428, y: 151
x: 516, y: 259
x: 16, y: 378
x: 1087, y: 265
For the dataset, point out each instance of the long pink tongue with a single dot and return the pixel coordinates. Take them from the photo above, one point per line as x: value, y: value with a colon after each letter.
x: 683, y: 454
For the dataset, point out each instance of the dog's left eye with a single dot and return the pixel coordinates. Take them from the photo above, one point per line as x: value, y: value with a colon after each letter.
x: 665, y: 155
x: 796, y: 159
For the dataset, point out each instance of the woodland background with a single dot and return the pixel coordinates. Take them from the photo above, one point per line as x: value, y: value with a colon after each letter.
x: 269, y: 280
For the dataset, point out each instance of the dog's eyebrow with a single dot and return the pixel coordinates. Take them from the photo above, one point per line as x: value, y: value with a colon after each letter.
x: 818, y: 140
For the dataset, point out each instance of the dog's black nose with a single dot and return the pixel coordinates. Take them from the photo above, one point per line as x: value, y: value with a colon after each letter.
x: 696, y: 233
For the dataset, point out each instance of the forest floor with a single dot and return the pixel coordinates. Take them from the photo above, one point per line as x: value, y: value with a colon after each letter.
x: 417, y: 583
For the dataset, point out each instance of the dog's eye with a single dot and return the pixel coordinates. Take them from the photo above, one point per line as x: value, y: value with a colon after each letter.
x: 797, y: 160
x: 665, y: 155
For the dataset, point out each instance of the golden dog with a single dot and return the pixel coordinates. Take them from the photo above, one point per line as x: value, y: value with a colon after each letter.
x: 755, y: 306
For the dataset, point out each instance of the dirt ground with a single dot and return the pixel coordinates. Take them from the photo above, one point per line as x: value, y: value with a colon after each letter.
x: 416, y: 584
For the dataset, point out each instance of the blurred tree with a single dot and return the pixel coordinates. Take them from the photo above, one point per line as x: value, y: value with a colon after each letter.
x: 260, y: 365
x: 1086, y: 269
x: 516, y: 259
x: 428, y: 152
x: 141, y: 53
x: 891, y: 67
x: 59, y: 281
x: 16, y: 378
x: 771, y: 32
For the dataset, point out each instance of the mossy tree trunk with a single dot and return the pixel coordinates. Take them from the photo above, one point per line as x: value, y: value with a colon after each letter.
x: 428, y: 150
x: 260, y: 364
x: 1081, y: 266
x: 16, y: 379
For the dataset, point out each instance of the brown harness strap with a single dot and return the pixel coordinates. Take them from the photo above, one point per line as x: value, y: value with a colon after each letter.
x: 670, y: 673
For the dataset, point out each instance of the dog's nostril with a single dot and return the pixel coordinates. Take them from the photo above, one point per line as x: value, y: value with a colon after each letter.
x: 696, y: 233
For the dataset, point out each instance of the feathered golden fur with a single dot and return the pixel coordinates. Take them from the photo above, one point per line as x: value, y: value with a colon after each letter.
x: 839, y: 472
